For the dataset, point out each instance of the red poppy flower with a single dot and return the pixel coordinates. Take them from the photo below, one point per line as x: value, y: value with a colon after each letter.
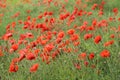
x: 82, y: 56
x: 13, y: 67
x: 109, y: 43
x: 115, y: 10
x: 43, y: 42
x: 29, y: 35
x: 61, y: 34
x: 40, y: 16
x: 22, y: 56
x: 28, y: 17
x: 71, y: 31
x: 97, y: 39
x: 74, y: 37
x: 34, y: 67
x: 82, y: 28
x: 13, y: 24
x: 76, y: 43
x: 14, y: 47
x: 94, y: 22
x: 49, y: 47
x: 58, y: 40
x: 30, y: 56
x: 7, y: 36
x: 112, y: 36
x: 87, y: 36
x: 94, y: 6
x: 91, y: 56
x: 50, y: 13
x: 89, y: 13
x: 105, y: 54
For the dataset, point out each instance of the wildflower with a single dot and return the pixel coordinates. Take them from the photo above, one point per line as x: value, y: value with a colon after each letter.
x: 28, y: 17
x: 45, y: 14
x: 30, y: 56
x: 40, y: 16
x: 97, y: 39
x: 43, y: 42
x: 49, y: 47
x: 89, y: 13
x: 7, y: 36
x: 105, y: 54
x: 50, y: 13
x: 29, y: 35
x: 13, y: 24
x: 91, y: 56
x: 90, y: 28
x: 82, y: 28
x: 112, y: 36
x: 58, y: 40
x: 22, y: 56
x: 74, y: 37
x: 82, y: 56
x: 71, y: 31
x: 14, y: 47
x: 33, y: 44
x: 61, y: 34
x: 115, y: 10
x: 34, y: 67
x: 76, y: 43
x: 94, y: 6
x: 94, y: 22
x: 87, y: 36
x: 13, y: 67
x: 108, y: 43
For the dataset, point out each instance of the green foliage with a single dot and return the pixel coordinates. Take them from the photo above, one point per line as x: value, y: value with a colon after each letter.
x: 63, y: 68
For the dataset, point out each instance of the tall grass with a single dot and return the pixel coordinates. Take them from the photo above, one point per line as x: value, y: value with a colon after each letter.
x: 62, y: 68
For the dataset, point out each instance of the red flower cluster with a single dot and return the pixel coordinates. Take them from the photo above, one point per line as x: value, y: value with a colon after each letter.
x: 105, y: 54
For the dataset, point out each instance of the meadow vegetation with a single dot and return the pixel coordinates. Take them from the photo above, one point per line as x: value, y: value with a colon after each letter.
x: 59, y: 40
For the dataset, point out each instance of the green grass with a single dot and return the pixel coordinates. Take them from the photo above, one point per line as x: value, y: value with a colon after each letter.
x: 62, y: 67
